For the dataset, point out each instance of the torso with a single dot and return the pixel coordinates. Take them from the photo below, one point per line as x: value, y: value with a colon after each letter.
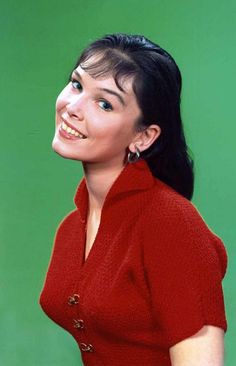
x: 146, y: 285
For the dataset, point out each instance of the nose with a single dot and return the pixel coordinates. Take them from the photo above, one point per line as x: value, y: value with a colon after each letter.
x: 74, y: 108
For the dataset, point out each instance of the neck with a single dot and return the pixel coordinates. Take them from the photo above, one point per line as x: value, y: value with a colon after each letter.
x: 99, y: 180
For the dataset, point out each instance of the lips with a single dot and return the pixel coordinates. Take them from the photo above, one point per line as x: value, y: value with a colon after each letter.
x: 69, y: 131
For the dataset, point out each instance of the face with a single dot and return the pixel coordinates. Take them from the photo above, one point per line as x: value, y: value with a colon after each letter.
x: 95, y: 120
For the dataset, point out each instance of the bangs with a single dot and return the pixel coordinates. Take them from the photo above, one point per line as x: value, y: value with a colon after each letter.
x: 108, y: 62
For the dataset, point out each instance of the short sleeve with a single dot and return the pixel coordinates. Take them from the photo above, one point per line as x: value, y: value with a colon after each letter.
x: 185, y: 263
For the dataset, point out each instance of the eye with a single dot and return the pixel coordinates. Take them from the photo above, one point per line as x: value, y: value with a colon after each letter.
x: 106, y: 106
x: 76, y: 84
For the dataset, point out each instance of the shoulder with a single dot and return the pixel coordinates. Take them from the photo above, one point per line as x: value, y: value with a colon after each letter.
x: 177, y: 229
x: 184, y: 264
x: 67, y: 228
x: 69, y: 220
x: 169, y: 207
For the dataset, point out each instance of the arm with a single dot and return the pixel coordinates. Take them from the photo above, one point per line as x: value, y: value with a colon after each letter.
x: 205, y: 348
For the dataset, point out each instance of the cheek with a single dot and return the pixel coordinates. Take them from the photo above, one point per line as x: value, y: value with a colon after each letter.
x: 115, y: 133
x: 60, y: 103
x: 61, y: 100
x: 103, y: 126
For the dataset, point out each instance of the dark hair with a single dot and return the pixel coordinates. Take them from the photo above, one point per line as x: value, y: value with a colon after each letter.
x: 157, y: 86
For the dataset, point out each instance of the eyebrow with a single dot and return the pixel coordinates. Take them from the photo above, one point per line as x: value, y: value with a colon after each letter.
x: 112, y: 92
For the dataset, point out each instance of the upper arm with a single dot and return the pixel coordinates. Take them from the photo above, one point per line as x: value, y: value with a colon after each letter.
x: 205, y: 348
x: 184, y: 272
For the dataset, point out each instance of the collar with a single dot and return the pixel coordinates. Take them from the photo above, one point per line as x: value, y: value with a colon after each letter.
x: 133, y: 177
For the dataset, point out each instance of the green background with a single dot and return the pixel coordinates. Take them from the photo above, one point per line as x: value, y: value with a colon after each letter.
x: 40, y: 41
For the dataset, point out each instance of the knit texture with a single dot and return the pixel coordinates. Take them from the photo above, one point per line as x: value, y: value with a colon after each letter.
x: 153, y: 276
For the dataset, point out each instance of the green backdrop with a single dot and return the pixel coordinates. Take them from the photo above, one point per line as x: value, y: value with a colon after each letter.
x: 40, y: 41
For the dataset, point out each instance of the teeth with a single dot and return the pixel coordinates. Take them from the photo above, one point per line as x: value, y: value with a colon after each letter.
x: 71, y: 131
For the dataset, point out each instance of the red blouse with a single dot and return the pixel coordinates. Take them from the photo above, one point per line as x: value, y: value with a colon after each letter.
x: 152, y: 278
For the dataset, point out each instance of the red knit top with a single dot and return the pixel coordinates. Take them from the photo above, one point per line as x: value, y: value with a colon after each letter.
x: 153, y: 276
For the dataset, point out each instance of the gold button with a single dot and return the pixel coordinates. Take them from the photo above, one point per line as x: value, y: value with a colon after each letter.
x: 78, y: 323
x: 73, y: 300
x: 86, y: 347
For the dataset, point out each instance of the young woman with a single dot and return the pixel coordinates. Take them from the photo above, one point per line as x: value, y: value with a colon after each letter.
x: 136, y: 274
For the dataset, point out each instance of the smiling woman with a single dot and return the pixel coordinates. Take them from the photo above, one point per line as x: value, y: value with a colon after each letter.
x: 135, y: 274
x: 97, y: 111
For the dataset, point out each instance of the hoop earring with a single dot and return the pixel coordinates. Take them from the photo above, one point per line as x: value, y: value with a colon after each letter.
x: 133, y: 157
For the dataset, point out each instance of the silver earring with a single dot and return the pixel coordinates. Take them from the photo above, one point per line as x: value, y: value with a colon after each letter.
x: 133, y: 157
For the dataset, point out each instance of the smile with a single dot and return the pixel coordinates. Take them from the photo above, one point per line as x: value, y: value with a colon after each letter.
x: 70, y: 131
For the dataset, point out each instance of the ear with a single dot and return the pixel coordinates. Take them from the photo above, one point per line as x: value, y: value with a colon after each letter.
x: 144, y: 139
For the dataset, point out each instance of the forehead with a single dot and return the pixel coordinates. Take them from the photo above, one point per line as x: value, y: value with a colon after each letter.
x: 107, y: 83
x: 101, y: 68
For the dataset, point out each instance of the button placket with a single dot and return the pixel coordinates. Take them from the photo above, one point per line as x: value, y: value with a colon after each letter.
x: 74, y: 300
x: 79, y: 323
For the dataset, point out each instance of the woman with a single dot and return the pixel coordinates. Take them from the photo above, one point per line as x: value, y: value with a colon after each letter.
x: 136, y: 274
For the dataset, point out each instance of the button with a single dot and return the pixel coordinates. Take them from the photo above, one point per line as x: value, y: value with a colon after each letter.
x: 78, y: 323
x: 73, y: 300
x: 86, y: 347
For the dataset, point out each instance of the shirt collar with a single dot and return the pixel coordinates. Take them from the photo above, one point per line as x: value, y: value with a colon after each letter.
x: 133, y: 177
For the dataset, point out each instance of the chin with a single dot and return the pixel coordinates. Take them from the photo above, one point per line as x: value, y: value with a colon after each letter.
x: 61, y: 150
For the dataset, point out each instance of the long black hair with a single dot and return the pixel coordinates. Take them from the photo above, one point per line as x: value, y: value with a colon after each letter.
x: 157, y: 85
